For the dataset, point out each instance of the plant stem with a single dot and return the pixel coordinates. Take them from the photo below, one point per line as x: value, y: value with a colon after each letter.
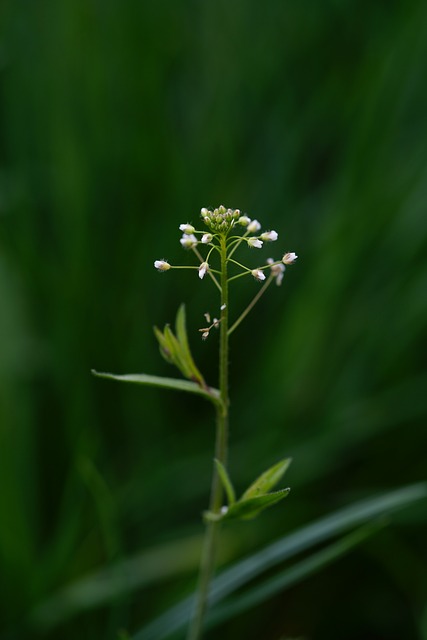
x: 251, y: 304
x: 207, y: 564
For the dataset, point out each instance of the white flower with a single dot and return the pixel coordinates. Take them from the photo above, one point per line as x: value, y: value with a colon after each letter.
x: 162, y: 265
x: 202, y: 270
x: 204, y: 212
x: 223, y: 306
x: 254, y: 226
x: 206, y: 238
x: 289, y: 258
x: 255, y: 242
x: 187, y: 228
x: 269, y: 236
x: 258, y: 274
x: 205, y: 335
x: 244, y: 221
x: 188, y: 241
x: 277, y: 270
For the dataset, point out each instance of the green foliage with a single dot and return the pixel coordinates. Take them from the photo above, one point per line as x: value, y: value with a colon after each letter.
x: 283, y: 549
x: 176, y: 349
x: 255, y: 499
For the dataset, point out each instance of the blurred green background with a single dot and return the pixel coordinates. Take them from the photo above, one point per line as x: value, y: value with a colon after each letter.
x: 119, y: 121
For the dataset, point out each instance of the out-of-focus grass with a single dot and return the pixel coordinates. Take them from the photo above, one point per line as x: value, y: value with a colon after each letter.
x: 119, y: 121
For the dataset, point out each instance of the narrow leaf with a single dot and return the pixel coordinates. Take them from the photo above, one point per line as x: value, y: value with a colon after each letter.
x: 164, y: 347
x: 226, y: 482
x: 293, y: 575
x: 267, y: 480
x: 181, y: 334
x: 178, y: 356
x: 166, y: 383
x: 176, y: 618
x: 246, y: 509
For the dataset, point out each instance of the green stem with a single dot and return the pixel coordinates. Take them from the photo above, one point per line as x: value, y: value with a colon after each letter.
x: 207, y: 564
x: 251, y: 304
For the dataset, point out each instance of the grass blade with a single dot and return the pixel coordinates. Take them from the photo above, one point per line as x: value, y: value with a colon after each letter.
x: 175, y: 618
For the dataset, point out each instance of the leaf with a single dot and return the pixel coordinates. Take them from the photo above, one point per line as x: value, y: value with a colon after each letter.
x: 247, y: 509
x: 166, y: 383
x: 176, y: 349
x: 293, y: 575
x: 267, y: 480
x: 226, y: 482
x: 177, y: 355
x: 176, y: 618
x: 181, y: 333
x: 164, y: 346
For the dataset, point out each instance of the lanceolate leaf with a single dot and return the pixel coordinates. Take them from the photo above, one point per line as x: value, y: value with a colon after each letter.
x: 292, y: 575
x: 267, y: 480
x: 176, y: 618
x: 164, y: 346
x: 181, y: 334
x: 167, y: 383
x: 247, y: 509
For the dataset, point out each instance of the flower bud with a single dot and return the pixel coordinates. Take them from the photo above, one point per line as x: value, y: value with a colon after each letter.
x: 277, y: 270
x: 202, y: 270
x: 244, y: 221
x: 188, y: 241
x: 206, y: 238
x: 269, y: 236
x: 258, y: 274
x: 162, y: 265
x: 187, y: 228
x: 254, y: 226
x: 289, y: 258
x: 255, y: 242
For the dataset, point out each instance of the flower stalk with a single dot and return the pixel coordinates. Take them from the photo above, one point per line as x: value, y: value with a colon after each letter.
x: 220, y: 223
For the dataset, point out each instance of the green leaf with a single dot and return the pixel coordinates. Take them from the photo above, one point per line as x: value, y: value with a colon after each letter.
x: 181, y: 333
x: 292, y: 575
x: 176, y: 618
x: 177, y: 355
x: 226, y: 482
x: 267, y: 480
x: 166, y: 383
x: 247, y: 509
x: 164, y: 346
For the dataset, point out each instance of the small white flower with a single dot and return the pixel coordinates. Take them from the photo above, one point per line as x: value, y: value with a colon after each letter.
x: 188, y: 241
x: 223, y: 306
x: 206, y: 238
x: 269, y: 236
x: 187, y: 228
x: 215, y: 323
x: 204, y: 212
x: 205, y: 335
x: 254, y: 226
x: 162, y: 265
x: 277, y: 270
x: 255, y: 242
x: 244, y: 221
x: 202, y: 270
x: 258, y: 274
x: 289, y: 258
x: 224, y: 510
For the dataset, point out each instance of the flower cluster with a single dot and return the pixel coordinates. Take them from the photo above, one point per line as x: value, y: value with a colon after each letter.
x: 229, y: 228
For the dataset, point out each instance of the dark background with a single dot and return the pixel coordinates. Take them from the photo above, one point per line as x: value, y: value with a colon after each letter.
x: 119, y: 121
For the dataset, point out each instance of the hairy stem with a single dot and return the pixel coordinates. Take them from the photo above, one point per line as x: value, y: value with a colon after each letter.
x: 207, y: 564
